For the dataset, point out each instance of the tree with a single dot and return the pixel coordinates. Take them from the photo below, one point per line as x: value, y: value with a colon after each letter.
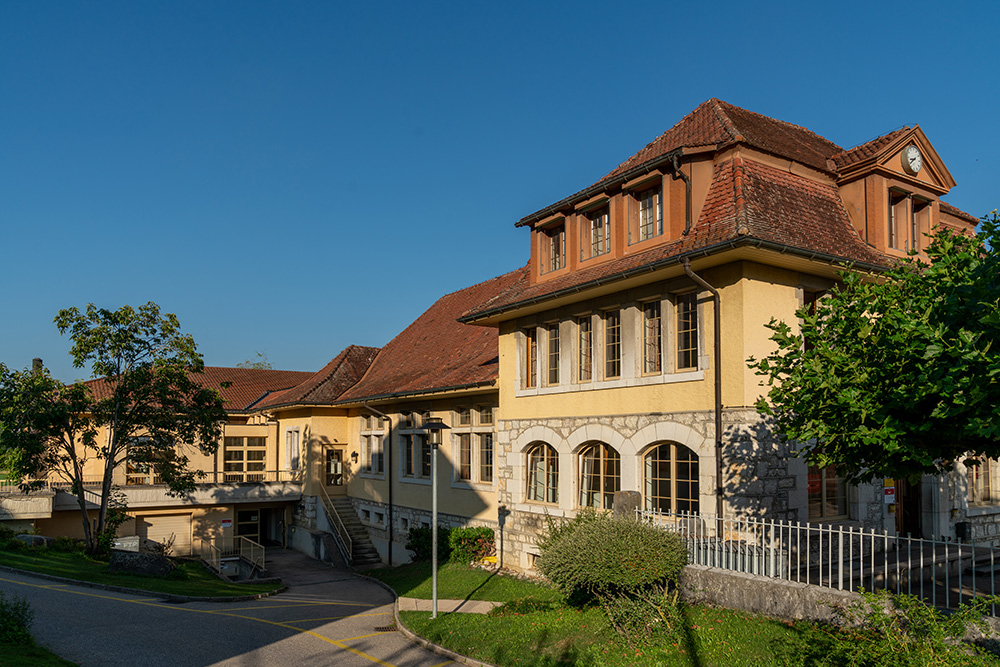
x: 260, y: 363
x: 899, y: 374
x: 144, y: 395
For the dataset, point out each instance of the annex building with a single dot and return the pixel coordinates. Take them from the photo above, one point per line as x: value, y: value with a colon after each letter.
x: 614, y: 360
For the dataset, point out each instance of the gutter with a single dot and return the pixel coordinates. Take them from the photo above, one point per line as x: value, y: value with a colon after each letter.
x: 679, y: 259
x: 405, y: 394
x: 388, y: 473
x: 717, y: 363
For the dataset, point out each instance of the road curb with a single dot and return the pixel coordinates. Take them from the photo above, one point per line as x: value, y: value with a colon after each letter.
x: 167, y: 597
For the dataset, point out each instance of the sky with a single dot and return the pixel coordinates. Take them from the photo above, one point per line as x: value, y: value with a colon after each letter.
x: 293, y: 178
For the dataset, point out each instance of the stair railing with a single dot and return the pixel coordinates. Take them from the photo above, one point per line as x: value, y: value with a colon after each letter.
x: 338, y: 524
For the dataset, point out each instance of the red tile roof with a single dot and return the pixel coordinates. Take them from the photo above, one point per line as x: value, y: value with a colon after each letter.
x: 867, y: 149
x: 327, y: 385
x: 245, y: 386
x: 748, y: 203
x: 958, y: 213
x: 436, y: 352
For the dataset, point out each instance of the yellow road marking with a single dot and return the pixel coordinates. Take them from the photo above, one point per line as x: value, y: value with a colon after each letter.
x: 333, y: 618
x: 336, y: 642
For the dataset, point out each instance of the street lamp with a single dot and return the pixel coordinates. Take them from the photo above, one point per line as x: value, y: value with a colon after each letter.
x: 434, y: 428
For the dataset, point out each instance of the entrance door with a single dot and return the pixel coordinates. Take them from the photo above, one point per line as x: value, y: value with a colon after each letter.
x: 248, y: 524
x: 333, y: 472
x: 908, y: 508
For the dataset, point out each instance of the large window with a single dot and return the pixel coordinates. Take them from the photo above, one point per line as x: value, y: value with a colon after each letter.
x: 687, y: 331
x: 612, y: 344
x: 909, y: 220
x: 292, y: 448
x: 827, y: 494
x: 334, y: 467
x: 600, y: 475
x: 553, y: 356
x: 372, y: 435
x: 554, y: 257
x: 648, y: 208
x: 652, y: 338
x: 244, y: 459
x: 671, y: 478
x: 473, y: 445
x: 465, y: 456
x: 585, y: 349
x: 980, y: 478
x: 485, y: 457
x: 596, y: 239
x: 543, y: 474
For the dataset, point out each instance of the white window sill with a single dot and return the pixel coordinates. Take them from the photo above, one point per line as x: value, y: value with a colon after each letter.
x: 617, y: 383
x: 466, y: 485
x: 371, y: 475
x: 982, y: 510
x: 415, y: 480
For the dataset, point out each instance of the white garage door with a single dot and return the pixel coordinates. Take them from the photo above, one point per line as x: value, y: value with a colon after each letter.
x: 160, y: 528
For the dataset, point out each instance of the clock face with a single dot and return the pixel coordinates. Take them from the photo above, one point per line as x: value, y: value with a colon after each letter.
x: 912, y: 159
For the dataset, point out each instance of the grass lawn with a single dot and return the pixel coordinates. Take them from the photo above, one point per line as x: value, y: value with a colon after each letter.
x: 459, y: 582
x: 191, y: 578
x: 30, y: 656
x: 567, y: 636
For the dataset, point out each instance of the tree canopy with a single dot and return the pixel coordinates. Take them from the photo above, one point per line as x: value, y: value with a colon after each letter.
x: 897, y: 374
x: 143, y: 409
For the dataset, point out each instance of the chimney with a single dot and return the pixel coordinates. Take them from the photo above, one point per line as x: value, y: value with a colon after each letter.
x: 36, y: 366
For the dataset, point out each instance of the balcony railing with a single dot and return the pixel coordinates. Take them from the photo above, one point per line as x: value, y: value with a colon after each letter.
x: 152, y: 479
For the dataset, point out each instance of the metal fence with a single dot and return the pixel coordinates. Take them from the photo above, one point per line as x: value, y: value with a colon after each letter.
x: 943, y: 572
x: 214, y: 550
x: 152, y: 479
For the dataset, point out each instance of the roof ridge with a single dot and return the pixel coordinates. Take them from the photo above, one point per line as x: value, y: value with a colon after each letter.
x: 723, y: 117
x: 784, y: 123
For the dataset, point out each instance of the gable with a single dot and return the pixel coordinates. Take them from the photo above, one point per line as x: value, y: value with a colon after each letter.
x: 885, y: 156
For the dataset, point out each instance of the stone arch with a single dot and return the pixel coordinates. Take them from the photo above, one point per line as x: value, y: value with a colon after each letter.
x: 544, y: 434
x: 597, y: 433
x: 658, y: 432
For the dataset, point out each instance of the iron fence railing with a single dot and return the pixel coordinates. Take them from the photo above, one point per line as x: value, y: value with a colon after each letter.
x: 941, y: 571
x: 338, y: 524
x: 214, y: 550
x: 152, y: 479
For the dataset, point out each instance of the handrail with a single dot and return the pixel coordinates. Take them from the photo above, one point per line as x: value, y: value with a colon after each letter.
x: 209, y: 477
x: 338, y: 524
x: 237, y: 545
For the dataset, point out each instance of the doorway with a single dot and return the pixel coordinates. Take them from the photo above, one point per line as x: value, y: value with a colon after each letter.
x: 908, y: 508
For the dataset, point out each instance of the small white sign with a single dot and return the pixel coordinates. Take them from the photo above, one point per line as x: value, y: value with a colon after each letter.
x: 890, y: 495
x: 227, y: 523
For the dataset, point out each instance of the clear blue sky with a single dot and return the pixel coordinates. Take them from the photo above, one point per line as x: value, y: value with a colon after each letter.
x: 292, y: 178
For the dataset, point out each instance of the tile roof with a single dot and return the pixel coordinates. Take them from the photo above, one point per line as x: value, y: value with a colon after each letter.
x: 719, y: 124
x: 327, y: 385
x: 958, y: 213
x: 748, y: 203
x: 436, y: 352
x: 866, y: 150
x: 245, y: 386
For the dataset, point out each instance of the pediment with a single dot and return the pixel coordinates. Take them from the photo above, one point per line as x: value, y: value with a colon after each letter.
x: 889, y: 160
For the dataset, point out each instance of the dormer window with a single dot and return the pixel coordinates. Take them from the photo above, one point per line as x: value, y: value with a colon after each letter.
x: 554, y: 250
x: 596, y: 230
x: 909, y: 220
x: 648, y: 215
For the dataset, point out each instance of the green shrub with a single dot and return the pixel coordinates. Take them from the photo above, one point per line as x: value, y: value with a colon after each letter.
x: 66, y: 544
x: 7, y: 538
x: 418, y: 540
x: 16, y: 617
x: 471, y: 544
x: 597, y: 555
x: 886, y: 630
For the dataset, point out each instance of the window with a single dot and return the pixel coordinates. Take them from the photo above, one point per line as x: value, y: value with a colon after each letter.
x: 553, y: 356
x: 465, y: 456
x: 425, y: 456
x: 292, y: 449
x: 486, y: 415
x: 554, y: 257
x: 596, y: 231
x: 980, y: 479
x: 687, y: 331
x: 543, y: 474
x: 827, y: 494
x: 372, y: 435
x: 671, y: 478
x: 649, y: 214
x: 909, y: 220
x: 485, y: 457
x: 899, y: 209
x: 244, y: 459
x: 652, y: 338
x: 585, y: 355
x: 612, y: 344
x: 416, y: 455
x: 600, y: 476
x: 465, y: 416
x: 530, y: 378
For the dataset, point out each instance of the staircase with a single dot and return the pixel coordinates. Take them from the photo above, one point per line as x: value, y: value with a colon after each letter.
x: 363, y: 553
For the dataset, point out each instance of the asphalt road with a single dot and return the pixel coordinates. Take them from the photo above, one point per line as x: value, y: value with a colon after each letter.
x: 327, y: 617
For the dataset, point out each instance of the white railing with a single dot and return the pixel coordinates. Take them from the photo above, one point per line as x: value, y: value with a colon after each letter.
x: 212, y: 551
x: 334, y: 516
x: 943, y: 572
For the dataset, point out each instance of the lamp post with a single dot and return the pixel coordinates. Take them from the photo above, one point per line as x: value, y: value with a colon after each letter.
x: 434, y: 428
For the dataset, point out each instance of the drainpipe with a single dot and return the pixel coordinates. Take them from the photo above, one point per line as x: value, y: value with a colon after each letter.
x: 719, y: 492
x: 388, y: 472
x: 687, y: 193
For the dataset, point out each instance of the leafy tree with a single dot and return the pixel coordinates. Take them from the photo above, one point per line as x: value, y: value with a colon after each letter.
x: 260, y: 363
x: 899, y: 374
x: 145, y: 397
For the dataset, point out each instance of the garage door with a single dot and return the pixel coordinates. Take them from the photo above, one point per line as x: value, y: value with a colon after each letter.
x: 161, y: 528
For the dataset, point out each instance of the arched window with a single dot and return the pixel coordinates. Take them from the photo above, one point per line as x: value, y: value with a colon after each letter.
x: 671, y: 478
x: 600, y: 475
x: 543, y: 474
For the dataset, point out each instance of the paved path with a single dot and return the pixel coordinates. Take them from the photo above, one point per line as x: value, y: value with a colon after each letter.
x: 327, y: 617
x: 448, y: 606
